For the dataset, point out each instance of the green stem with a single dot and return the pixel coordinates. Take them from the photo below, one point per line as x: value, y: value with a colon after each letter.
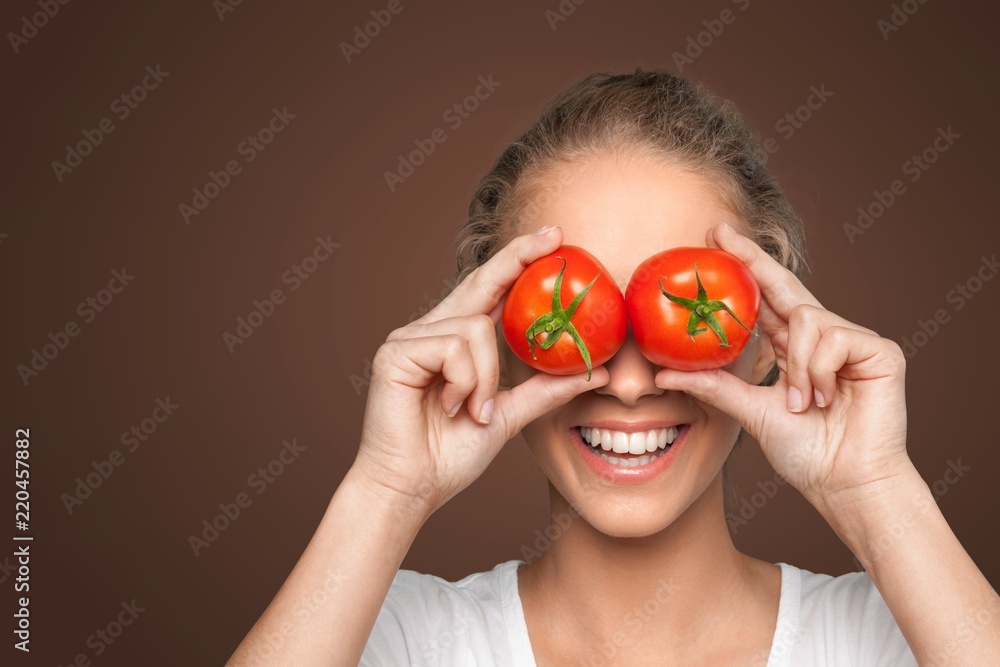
x: 556, y: 322
x: 703, y: 311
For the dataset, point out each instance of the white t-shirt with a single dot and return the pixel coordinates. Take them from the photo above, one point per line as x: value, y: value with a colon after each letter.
x: 479, y: 621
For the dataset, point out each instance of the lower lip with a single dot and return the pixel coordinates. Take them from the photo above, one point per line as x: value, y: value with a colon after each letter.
x: 629, y: 475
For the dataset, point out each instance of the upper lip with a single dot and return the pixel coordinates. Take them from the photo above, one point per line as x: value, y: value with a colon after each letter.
x: 630, y: 426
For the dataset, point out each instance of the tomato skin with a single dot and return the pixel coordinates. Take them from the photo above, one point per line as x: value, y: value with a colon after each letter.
x: 660, y: 326
x: 600, y: 318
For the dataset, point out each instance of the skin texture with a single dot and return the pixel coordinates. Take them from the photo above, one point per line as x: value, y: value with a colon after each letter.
x: 834, y: 426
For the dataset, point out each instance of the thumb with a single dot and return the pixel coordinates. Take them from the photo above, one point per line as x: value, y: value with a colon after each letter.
x: 722, y: 390
x: 539, y: 394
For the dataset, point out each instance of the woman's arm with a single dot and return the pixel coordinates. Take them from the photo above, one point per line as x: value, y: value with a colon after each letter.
x: 327, y: 607
x: 944, y: 606
x: 834, y: 426
x: 418, y: 449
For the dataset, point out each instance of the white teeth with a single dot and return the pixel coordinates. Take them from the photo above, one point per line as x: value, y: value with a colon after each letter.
x: 627, y: 463
x: 606, y: 440
x: 651, y: 441
x: 639, y: 444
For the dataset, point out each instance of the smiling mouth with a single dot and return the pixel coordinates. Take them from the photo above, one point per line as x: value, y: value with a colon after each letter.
x: 630, y: 449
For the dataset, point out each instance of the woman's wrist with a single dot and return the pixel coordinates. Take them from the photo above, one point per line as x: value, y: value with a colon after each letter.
x: 408, y: 508
x: 874, y: 517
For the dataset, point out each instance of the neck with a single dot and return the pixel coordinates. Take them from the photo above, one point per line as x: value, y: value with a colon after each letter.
x: 688, y: 569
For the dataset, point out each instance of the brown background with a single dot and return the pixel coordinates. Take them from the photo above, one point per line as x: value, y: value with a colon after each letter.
x: 323, y: 176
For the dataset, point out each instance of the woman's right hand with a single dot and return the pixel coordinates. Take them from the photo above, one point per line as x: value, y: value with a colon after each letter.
x: 435, y: 418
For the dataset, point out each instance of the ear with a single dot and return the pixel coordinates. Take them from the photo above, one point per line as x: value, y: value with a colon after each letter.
x: 763, y: 359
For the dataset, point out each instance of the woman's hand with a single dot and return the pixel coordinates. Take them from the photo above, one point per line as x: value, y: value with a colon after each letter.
x: 835, y: 421
x: 434, y: 418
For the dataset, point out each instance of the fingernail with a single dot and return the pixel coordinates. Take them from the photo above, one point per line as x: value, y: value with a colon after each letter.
x: 820, y: 401
x: 544, y: 229
x: 794, y: 399
x: 454, y: 410
x: 486, y: 412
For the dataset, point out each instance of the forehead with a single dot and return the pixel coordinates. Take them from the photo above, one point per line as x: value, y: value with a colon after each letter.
x: 624, y: 209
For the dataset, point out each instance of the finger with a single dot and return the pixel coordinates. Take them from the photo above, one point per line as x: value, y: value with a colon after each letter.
x: 843, y: 351
x: 779, y: 287
x: 806, y: 326
x: 516, y: 408
x: 804, y: 331
x: 483, y: 289
x: 722, y: 390
x: 418, y: 362
x: 480, y: 333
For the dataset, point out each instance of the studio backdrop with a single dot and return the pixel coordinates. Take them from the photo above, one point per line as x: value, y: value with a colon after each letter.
x: 214, y: 212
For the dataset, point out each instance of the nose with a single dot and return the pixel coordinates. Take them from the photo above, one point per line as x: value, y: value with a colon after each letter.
x: 632, y: 375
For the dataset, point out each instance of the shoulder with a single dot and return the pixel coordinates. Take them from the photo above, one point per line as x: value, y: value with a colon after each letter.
x: 428, y: 620
x: 830, y: 620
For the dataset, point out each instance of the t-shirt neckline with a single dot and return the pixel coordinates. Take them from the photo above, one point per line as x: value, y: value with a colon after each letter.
x: 785, y: 631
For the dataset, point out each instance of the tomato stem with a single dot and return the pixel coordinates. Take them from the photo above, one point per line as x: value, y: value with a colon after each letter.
x: 703, y: 311
x: 556, y: 322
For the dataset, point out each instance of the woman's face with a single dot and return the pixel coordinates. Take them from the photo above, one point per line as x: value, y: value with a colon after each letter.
x: 624, y: 210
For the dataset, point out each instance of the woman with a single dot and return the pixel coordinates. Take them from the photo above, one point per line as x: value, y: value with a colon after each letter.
x: 643, y: 573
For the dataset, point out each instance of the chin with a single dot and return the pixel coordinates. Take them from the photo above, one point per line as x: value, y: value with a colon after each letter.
x: 616, y: 498
x: 634, y: 520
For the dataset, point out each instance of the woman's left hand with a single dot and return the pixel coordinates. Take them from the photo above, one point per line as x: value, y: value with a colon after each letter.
x: 835, y: 421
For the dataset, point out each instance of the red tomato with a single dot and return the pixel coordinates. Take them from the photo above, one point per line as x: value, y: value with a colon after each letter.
x: 692, y: 308
x: 564, y: 314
